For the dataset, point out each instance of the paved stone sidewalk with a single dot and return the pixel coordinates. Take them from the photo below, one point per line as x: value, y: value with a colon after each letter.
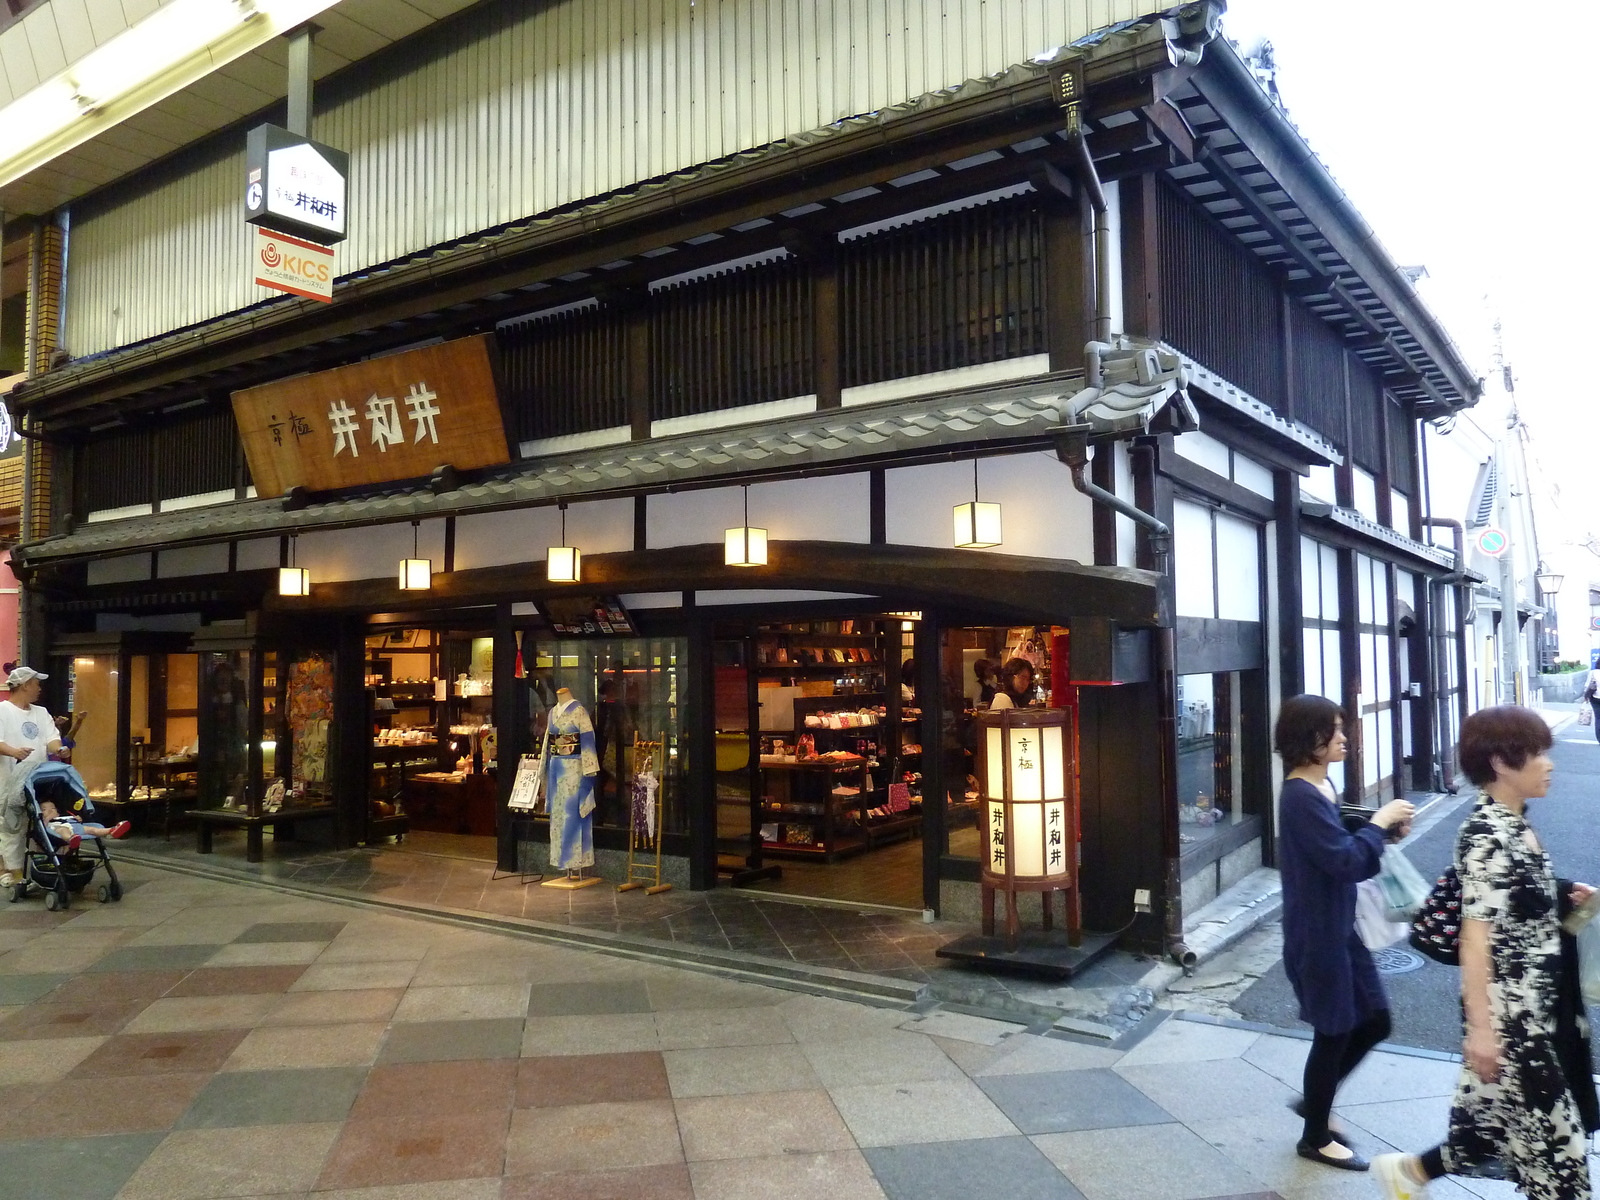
x: 206, y: 1039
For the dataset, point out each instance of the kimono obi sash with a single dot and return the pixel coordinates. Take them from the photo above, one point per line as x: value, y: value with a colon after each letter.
x: 564, y: 745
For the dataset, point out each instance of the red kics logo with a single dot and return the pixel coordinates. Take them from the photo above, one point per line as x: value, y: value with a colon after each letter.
x: 270, y: 255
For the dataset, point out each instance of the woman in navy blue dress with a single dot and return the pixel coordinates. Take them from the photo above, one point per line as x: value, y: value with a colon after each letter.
x: 1321, y: 861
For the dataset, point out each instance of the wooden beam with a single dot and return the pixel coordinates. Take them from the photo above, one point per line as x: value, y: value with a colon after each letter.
x: 1237, y: 188
x: 1169, y: 122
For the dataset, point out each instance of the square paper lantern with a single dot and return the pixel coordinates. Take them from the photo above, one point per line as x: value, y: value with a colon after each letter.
x: 563, y: 564
x: 977, y: 525
x: 416, y: 574
x: 294, y: 581
x: 744, y: 546
x: 1028, y: 834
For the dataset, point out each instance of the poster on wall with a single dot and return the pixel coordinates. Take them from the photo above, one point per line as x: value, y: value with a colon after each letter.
x: 587, y: 616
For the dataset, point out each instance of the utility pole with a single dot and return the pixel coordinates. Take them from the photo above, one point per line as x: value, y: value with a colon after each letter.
x: 1504, y: 477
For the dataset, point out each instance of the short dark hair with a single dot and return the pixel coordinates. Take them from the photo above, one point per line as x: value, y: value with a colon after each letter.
x: 1306, y: 725
x: 1014, y: 665
x: 1509, y: 732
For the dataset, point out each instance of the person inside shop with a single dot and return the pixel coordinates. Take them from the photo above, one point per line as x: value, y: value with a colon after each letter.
x: 983, y: 670
x: 908, y: 681
x: 27, y: 735
x: 1016, y: 685
x: 68, y: 727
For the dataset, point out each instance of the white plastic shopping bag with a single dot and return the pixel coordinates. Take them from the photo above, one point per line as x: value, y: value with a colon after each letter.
x: 1582, y: 923
x: 1404, y: 889
x: 1373, y: 925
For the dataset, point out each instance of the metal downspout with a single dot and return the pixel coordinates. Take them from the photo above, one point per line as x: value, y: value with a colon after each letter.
x: 1072, y: 448
x: 1455, y: 579
x: 1099, y: 239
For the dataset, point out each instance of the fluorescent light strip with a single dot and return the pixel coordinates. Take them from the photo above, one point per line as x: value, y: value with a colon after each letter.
x: 176, y: 45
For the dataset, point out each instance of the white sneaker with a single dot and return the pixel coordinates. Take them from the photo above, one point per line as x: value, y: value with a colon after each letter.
x: 8, y: 879
x: 1390, y: 1173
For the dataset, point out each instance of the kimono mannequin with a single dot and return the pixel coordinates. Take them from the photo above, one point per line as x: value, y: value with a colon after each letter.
x: 570, y: 766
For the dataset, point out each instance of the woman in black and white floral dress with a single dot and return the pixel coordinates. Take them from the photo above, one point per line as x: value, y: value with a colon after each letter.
x: 1518, y: 1114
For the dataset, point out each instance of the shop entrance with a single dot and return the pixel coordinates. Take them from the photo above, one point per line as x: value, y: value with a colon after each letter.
x: 818, y: 761
x: 429, y: 709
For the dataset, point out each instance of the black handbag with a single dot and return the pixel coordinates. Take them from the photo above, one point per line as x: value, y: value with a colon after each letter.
x: 1436, y: 930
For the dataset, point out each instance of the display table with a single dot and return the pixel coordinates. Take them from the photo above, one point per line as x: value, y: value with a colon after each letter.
x: 444, y: 802
x: 281, y: 823
x: 812, y: 801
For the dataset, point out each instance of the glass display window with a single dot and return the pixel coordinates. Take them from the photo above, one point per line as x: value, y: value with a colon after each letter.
x: 631, y: 689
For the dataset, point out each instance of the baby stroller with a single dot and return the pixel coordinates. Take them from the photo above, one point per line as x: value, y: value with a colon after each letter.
x: 50, y: 867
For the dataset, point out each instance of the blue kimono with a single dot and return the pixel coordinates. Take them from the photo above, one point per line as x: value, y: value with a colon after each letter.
x: 570, y: 766
x: 1332, y: 973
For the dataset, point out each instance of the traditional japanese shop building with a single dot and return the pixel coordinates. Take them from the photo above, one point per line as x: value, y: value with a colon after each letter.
x: 600, y: 299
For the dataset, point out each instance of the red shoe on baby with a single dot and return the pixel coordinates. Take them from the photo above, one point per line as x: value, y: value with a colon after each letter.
x: 120, y: 829
x: 72, y: 845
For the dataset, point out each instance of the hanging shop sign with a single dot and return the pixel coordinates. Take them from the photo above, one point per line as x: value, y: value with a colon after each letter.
x: 396, y: 417
x: 294, y: 185
x: 587, y: 616
x: 291, y: 265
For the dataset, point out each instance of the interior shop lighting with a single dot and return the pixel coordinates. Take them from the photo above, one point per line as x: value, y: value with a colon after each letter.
x: 977, y: 524
x: 744, y: 546
x: 178, y: 44
x: 416, y: 572
x: 563, y: 563
x: 293, y: 580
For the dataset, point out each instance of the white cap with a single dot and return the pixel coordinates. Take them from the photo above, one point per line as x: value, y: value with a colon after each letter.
x: 22, y: 675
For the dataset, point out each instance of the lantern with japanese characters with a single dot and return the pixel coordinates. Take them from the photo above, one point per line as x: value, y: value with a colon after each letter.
x: 1028, y: 809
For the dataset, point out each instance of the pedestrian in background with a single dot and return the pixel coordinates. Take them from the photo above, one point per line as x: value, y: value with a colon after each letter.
x: 1591, y: 697
x: 1321, y: 861
x: 1525, y: 1102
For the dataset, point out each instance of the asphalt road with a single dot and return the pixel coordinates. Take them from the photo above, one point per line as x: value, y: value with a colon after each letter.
x: 1426, y: 1003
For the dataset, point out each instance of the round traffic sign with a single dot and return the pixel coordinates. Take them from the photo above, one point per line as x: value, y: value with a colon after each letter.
x: 1492, y: 541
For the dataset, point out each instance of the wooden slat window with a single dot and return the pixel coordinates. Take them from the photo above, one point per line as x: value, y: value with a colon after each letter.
x: 565, y: 374
x: 739, y: 338
x: 1400, y: 447
x: 950, y: 291
x: 1366, y: 410
x: 197, y: 456
x: 1318, y: 373
x: 114, y: 472
x: 1219, y: 303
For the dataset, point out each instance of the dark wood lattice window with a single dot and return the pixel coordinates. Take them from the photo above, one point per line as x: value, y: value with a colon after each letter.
x: 743, y: 337
x: 950, y: 291
x: 565, y: 373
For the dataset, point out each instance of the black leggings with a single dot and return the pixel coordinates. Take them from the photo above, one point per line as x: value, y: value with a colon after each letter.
x: 1333, y: 1056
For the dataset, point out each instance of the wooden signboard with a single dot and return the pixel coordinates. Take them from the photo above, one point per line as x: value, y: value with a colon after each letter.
x: 396, y: 417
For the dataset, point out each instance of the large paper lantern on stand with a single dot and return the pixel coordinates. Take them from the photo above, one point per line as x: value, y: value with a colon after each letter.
x: 1029, y: 807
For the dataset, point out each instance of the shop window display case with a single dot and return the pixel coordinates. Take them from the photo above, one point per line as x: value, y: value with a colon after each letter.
x: 266, y: 734
x: 137, y: 700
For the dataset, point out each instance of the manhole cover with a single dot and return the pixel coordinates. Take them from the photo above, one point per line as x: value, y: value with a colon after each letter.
x: 1394, y: 961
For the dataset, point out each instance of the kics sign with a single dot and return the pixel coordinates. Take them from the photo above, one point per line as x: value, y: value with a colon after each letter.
x: 291, y: 265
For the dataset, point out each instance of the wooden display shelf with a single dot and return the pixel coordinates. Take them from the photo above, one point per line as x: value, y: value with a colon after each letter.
x: 839, y: 849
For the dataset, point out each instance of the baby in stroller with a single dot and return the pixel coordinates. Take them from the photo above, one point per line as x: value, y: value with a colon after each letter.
x: 71, y: 829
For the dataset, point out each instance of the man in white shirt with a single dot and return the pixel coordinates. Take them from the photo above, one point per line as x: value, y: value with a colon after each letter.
x: 26, y: 731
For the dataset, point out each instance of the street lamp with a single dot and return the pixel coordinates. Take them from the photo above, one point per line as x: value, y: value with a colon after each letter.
x: 1549, y: 581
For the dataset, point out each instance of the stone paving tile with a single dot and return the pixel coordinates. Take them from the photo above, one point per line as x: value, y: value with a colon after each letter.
x: 48, y: 1018
x: 283, y: 1097
x: 458, y: 1003
x: 771, y: 1124
x: 158, y: 1053
x: 84, y: 1168
x: 154, y: 958
x: 639, y: 1133
x: 840, y: 1175
x: 699, y: 1029
x: 665, y: 1181
x: 737, y: 1070
x: 890, y: 1114
x: 1152, y: 1162
x: 485, y: 1086
x: 178, y: 1014
x: 20, y: 989
x: 611, y: 1033
x: 331, y: 1007
x: 236, y: 981
x: 140, y: 1104
x: 355, y: 976
x: 891, y: 1057
x: 1012, y: 1167
x: 582, y: 999
x: 1059, y: 1101
x: 269, y: 1047
x: 591, y: 1079
x: 107, y: 986
x: 292, y: 931
x: 438, y: 1041
x: 1028, y: 1054
x: 265, y: 954
x: 196, y: 1164
x: 1201, y: 1090
x: 45, y: 1060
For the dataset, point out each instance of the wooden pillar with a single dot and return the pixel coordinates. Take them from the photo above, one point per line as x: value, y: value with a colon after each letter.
x: 1350, y: 667
x: 637, y: 340
x: 1290, y: 618
x: 1424, y: 708
x: 698, y: 734
x: 1103, y: 473
x: 1069, y: 286
x: 511, y: 732
x: 1286, y: 341
x: 930, y: 697
x: 1344, y: 474
x: 827, y: 340
x: 1141, y: 257
x: 1385, y: 497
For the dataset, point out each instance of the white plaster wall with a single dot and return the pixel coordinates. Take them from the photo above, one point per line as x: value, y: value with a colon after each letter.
x: 257, y: 554
x: 1042, y: 515
x: 834, y: 509
x: 371, y: 553
x: 522, y: 535
x: 192, y: 560
x: 125, y: 568
x: 1193, y: 568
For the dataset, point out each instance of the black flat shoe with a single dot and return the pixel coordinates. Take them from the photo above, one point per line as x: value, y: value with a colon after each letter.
x: 1298, y: 1108
x: 1314, y: 1154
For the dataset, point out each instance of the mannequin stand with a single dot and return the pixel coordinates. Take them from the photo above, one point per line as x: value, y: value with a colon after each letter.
x: 572, y: 880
